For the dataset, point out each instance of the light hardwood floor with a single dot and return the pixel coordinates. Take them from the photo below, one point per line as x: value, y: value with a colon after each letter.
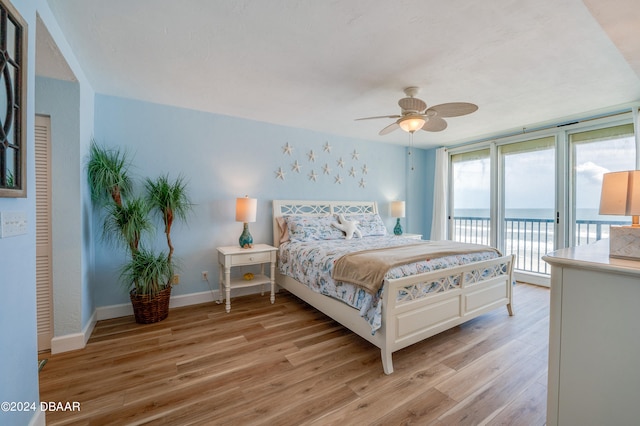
x: 288, y: 364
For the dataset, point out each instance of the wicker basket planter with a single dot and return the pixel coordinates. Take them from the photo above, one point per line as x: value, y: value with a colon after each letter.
x: 148, y: 309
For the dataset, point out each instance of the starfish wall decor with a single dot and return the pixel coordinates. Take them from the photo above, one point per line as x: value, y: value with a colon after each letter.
x: 353, y: 166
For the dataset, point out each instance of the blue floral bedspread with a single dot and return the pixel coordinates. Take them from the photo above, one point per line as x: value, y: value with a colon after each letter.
x: 311, y: 263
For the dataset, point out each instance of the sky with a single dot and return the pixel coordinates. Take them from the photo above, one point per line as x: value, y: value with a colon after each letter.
x: 531, y: 176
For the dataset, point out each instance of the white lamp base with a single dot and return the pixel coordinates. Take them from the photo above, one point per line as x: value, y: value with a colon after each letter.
x: 624, y: 242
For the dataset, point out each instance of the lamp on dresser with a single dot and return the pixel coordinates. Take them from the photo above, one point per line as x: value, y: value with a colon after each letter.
x: 621, y: 196
x: 246, y: 212
x: 398, y: 211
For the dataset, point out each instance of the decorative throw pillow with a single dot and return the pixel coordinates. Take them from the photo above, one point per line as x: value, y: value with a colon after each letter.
x: 310, y: 228
x: 349, y: 227
x: 370, y: 224
x: 284, y: 229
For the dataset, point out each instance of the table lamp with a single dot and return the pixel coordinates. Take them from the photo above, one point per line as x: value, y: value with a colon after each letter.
x: 397, y: 210
x: 621, y: 196
x: 246, y: 212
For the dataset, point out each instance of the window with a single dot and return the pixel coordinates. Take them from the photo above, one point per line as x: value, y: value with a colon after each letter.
x: 528, y: 202
x: 471, y: 189
x: 529, y: 195
x: 13, y: 111
x: 595, y: 152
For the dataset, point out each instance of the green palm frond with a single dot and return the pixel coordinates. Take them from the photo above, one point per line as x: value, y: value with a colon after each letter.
x: 127, y: 223
x: 147, y: 272
x: 127, y: 219
x: 170, y: 200
x: 108, y: 171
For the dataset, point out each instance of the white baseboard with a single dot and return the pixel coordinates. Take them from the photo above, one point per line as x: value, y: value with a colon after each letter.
x: 38, y: 419
x: 177, y: 301
x: 125, y: 309
x: 71, y: 342
x: 532, y: 278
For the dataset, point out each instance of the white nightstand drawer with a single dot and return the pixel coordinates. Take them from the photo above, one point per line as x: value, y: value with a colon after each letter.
x: 250, y: 258
x: 412, y: 236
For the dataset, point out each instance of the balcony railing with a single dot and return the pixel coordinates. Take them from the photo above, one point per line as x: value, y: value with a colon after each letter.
x: 528, y: 239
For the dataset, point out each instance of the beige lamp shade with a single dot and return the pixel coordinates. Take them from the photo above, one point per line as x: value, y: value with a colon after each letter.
x: 246, y: 209
x: 621, y: 193
x: 397, y: 209
x: 411, y: 123
x: 621, y: 196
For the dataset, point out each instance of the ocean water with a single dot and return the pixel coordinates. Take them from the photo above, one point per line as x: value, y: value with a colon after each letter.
x: 581, y: 214
x: 530, y: 240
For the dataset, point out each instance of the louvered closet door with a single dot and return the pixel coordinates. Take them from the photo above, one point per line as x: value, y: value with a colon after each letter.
x: 44, y: 281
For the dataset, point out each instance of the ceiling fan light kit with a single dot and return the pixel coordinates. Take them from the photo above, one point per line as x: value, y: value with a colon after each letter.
x: 415, y: 115
x: 411, y: 123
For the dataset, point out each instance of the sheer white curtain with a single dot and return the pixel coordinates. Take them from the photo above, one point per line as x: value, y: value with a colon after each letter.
x: 439, y: 220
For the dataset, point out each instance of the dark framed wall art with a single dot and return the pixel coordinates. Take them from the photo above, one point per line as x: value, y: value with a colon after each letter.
x: 13, y: 95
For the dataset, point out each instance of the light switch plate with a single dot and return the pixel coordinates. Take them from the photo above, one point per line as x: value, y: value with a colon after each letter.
x: 12, y: 224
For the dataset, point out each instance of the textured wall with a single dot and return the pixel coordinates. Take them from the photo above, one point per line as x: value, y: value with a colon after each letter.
x: 224, y: 158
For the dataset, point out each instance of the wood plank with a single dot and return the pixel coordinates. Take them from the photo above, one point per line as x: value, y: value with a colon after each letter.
x: 474, y: 376
x: 525, y: 409
x: 289, y: 364
x: 496, y: 394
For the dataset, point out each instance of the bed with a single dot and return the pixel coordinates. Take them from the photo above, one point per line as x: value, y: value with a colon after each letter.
x: 415, y: 301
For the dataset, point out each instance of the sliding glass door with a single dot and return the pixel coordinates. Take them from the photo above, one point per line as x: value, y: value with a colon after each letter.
x: 529, y: 196
x: 527, y: 204
x: 594, y: 153
x: 471, y: 194
x: 524, y: 221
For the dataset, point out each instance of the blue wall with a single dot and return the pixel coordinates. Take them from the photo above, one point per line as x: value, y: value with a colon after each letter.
x: 18, y: 349
x: 224, y: 158
x: 72, y: 302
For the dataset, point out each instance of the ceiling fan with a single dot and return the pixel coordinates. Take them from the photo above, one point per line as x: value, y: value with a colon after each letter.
x: 415, y: 115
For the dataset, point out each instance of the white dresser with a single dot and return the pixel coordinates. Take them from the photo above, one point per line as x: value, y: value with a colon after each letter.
x: 594, y: 338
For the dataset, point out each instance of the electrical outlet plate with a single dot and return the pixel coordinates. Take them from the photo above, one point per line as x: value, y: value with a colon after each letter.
x: 12, y: 224
x: 176, y: 279
x: 205, y: 275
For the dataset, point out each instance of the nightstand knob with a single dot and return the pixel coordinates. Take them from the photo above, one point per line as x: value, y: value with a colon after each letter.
x: 251, y: 258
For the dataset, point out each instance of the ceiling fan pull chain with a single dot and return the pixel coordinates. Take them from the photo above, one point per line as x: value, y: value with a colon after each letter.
x: 410, y: 149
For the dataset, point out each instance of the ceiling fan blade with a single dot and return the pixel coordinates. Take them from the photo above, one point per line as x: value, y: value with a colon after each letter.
x: 453, y: 109
x: 434, y: 124
x: 390, y: 128
x: 380, y: 116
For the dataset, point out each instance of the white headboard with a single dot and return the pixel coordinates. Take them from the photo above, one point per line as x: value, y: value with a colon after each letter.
x: 317, y: 208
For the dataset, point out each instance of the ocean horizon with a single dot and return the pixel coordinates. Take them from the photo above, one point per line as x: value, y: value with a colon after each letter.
x: 548, y: 213
x: 529, y: 240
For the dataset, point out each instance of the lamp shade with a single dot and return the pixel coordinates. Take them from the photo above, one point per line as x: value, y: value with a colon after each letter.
x: 621, y: 193
x: 411, y: 123
x: 246, y: 209
x: 397, y: 209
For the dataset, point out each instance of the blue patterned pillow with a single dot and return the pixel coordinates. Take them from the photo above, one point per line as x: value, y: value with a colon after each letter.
x: 313, y: 228
x: 369, y: 224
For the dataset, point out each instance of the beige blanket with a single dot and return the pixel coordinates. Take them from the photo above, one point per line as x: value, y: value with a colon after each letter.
x: 367, y: 268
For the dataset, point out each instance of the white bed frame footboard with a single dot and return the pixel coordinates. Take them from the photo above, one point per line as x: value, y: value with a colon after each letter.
x: 466, y: 291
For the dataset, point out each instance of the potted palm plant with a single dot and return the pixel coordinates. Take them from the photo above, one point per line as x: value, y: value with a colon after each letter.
x: 147, y: 274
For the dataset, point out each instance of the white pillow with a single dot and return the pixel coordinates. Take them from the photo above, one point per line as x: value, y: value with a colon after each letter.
x: 369, y: 223
x: 311, y: 228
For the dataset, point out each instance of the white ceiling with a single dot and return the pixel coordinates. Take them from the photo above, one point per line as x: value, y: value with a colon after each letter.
x: 319, y: 65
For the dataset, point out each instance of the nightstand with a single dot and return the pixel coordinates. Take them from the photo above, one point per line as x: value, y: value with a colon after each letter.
x: 413, y: 236
x: 232, y: 256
